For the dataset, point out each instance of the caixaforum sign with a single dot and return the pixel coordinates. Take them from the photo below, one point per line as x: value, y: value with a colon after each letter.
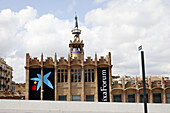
x: 103, y: 84
x: 35, y: 83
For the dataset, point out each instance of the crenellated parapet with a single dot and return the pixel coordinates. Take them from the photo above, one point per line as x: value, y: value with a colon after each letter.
x: 34, y: 62
x: 116, y: 85
x: 102, y: 61
x: 75, y: 61
x: 167, y: 83
x: 134, y: 85
x: 140, y: 85
x: 48, y: 62
x: 129, y: 84
x: 156, y: 84
x: 89, y: 61
x: 62, y: 61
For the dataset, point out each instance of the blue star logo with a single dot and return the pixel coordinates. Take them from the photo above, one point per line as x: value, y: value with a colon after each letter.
x: 45, y: 80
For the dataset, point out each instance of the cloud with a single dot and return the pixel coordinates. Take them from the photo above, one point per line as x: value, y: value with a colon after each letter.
x: 47, y: 32
x: 10, y: 24
x: 25, y: 32
x: 120, y: 27
x: 123, y: 25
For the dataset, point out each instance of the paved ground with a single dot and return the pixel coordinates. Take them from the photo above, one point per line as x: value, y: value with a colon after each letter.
x: 44, y: 111
x: 29, y: 106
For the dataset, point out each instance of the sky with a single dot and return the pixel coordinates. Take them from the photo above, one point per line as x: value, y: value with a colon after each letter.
x: 116, y: 26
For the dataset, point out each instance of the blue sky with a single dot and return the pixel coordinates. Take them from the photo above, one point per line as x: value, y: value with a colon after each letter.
x: 63, y: 9
x: 116, y: 26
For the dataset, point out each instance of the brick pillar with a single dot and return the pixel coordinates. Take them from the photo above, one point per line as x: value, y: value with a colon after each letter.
x: 110, y: 84
x: 138, y: 96
x: 82, y: 81
x: 151, y: 96
x: 55, y: 63
x: 123, y: 87
x: 123, y: 82
x: 163, y: 96
x: 110, y: 77
x: 163, y: 91
x: 162, y: 82
x: 42, y: 77
x: 124, y: 96
x: 149, y: 82
x: 27, y: 84
x: 96, y: 80
x: 69, y: 80
x: 137, y: 90
x: 27, y: 77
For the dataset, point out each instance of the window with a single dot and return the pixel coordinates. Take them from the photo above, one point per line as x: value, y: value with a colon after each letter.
x: 62, y: 75
x: 76, y: 98
x: 58, y: 75
x: 62, y: 98
x: 89, y: 75
x: 168, y: 97
x: 92, y: 75
x: 141, y: 98
x: 79, y: 75
x: 117, y: 98
x: 157, y: 98
x: 131, y: 98
x: 75, y: 75
x: 90, y: 98
x: 85, y: 74
x: 65, y: 75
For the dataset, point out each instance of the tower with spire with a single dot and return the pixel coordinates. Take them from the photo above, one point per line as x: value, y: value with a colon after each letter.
x: 76, y: 46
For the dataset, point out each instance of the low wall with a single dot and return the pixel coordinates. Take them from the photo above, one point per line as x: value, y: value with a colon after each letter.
x: 79, y: 107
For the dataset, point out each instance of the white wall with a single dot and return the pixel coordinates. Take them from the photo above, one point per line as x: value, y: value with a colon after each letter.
x: 78, y: 107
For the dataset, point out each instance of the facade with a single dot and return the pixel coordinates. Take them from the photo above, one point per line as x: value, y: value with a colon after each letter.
x: 76, y: 79
x: 72, y: 79
x: 20, y: 90
x: 7, y: 86
x: 130, y: 89
x: 5, y: 76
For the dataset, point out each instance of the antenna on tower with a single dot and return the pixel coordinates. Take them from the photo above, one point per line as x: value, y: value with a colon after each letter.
x: 76, y: 23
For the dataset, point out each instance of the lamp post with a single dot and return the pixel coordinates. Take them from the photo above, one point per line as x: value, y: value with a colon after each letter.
x: 143, y: 75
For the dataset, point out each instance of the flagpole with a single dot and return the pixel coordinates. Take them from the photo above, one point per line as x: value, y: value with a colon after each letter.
x: 143, y: 75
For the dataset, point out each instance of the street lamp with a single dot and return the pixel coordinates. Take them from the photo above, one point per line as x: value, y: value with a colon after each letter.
x: 143, y: 75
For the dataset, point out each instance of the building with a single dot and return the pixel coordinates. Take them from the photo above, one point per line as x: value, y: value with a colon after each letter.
x: 76, y: 79
x: 20, y: 90
x: 72, y: 79
x: 7, y: 86
x: 130, y: 89
x: 5, y: 76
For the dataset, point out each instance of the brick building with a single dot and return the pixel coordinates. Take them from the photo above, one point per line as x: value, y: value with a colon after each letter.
x: 79, y: 79
x: 72, y: 79
x: 130, y: 89
x: 5, y: 76
x: 7, y: 86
